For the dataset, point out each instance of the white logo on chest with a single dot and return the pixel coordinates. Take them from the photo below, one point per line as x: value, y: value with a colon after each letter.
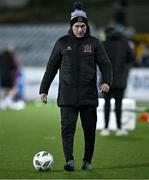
x: 68, y: 48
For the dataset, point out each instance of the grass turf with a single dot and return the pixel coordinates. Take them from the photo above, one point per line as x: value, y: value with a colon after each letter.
x: 37, y: 127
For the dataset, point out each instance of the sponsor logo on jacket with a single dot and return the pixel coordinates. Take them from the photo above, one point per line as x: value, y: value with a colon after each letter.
x: 68, y: 48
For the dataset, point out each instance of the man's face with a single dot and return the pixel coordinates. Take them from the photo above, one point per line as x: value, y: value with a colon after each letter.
x: 79, y: 29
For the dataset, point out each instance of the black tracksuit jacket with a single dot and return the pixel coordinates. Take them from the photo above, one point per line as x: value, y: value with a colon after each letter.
x: 76, y: 60
x: 121, y: 56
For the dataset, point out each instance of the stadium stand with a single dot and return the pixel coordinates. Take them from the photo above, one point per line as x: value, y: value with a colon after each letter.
x: 33, y: 43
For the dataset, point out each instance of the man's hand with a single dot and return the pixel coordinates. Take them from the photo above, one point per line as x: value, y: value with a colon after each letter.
x: 43, y: 98
x: 104, y: 87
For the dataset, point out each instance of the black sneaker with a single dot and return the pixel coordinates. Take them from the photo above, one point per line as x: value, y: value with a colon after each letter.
x: 69, y: 166
x: 86, y: 166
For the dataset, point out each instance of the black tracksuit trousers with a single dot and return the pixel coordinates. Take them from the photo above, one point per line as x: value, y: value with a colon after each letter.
x: 69, y: 116
x: 117, y: 94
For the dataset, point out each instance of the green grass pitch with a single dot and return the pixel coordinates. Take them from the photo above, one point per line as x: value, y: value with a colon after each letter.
x: 37, y: 127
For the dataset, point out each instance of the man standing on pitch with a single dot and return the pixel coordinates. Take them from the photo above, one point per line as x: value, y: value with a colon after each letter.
x: 75, y: 56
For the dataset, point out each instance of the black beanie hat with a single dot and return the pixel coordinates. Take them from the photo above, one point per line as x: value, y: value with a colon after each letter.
x: 78, y: 15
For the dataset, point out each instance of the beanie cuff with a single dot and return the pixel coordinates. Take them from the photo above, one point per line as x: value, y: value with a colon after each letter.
x: 78, y: 19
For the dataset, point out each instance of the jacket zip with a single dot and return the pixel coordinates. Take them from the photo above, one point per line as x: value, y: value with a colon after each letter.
x: 78, y: 71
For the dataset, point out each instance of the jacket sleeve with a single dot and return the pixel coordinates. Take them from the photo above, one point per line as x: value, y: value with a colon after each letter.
x: 104, y: 64
x: 51, y: 69
x: 131, y: 59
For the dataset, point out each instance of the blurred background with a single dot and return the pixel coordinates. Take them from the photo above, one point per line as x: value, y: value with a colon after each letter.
x: 31, y: 27
x: 28, y: 31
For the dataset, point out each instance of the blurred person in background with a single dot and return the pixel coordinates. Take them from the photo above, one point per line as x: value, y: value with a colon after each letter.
x: 122, y: 58
x: 140, y: 47
x: 120, y: 7
x: 8, y: 70
x: 75, y: 56
x: 145, y: 55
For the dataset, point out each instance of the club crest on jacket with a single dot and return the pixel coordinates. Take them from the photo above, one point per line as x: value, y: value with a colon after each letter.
x: 87, y: 48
